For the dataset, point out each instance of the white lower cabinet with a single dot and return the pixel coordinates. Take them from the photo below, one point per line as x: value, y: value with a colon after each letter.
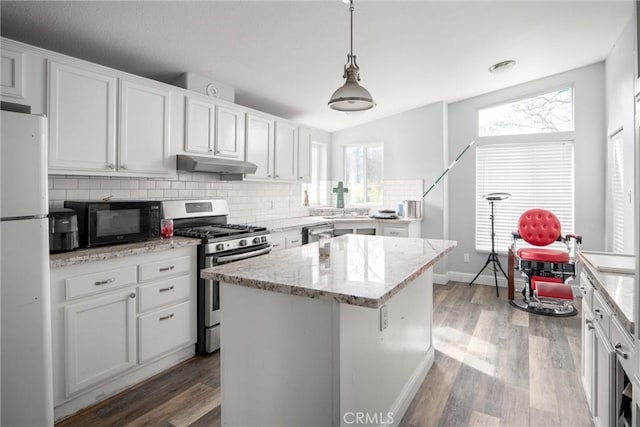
x: 402, y: 229
x: 100, y: 339
x: 285, y: 239
x: 164, y: 330
x: 607, y: 357
x: 118, y: 322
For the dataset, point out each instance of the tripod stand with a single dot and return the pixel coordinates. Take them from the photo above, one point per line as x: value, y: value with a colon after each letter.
x: 493, y: 256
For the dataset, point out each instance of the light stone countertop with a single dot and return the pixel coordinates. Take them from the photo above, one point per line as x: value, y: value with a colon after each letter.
x: 101, y: 253
x: 619, y: 290
x: 286, y: 224
x: 361, y: 270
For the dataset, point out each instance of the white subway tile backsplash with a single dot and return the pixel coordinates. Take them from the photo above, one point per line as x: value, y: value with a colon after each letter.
x: 88, y: 183
x: 129, y: 183
x: 64, y: 183
x: 77, y: 194
x: 249, y: 202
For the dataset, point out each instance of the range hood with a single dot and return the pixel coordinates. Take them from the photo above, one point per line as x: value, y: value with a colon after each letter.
x: 227, y: 168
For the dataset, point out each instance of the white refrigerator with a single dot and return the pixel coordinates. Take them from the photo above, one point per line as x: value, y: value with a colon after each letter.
x: 26, y: 375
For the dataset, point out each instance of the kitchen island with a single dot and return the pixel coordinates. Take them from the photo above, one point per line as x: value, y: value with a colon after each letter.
x: 312, y: 340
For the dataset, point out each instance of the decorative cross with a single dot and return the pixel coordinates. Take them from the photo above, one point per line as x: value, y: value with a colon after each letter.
x: 340, y: 190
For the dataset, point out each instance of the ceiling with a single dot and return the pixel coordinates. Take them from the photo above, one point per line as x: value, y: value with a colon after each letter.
x: 286, y: 57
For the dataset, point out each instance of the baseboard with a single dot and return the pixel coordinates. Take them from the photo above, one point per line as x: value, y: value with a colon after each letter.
x: 440, y: 279
x: 410, y: 389
x: 484, y: 279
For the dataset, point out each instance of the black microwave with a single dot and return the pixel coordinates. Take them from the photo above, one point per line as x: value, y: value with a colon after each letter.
x: 117, y: 221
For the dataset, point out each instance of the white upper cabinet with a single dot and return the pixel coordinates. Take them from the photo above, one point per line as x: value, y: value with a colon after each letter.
x: 11, y: 73
x: 260, y: 144
x: 199, y: 126
x: 286, y: 141
x: 83, y: 134
x: 229, y: 132
x: 215, y: 129
x: 82, y: 119
x: 304, y: 154
x: 144, y: 128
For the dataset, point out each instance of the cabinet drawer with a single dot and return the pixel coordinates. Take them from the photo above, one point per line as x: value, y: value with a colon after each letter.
x: 165, y: 292
x: 395, y: 231
x: 293, y: 241
x: 277, y: 244
x: 166, y: 329
x: 98, y: 282
x: 168, y: 267
x: 622, y: 344
x: 601, y: 313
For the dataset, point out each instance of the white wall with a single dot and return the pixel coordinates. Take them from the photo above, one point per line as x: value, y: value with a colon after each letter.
x: 414, y: 149
x: 589, y: 96
x: 619, y: 84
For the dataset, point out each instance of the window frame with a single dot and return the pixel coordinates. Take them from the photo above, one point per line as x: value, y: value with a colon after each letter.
x: 525, y: 138
x: 323, y: 173
x: 521, y: 97
x: 365, y: 146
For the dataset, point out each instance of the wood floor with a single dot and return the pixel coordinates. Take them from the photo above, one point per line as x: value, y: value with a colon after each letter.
x: 494, y: 366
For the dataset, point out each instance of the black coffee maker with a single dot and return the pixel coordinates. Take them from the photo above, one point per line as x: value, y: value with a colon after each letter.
x: 63, y: 230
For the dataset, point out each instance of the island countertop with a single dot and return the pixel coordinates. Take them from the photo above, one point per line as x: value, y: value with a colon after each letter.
x: 361, y: 270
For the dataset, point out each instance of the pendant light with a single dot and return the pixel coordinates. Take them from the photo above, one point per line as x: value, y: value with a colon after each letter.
x: 351, y: 96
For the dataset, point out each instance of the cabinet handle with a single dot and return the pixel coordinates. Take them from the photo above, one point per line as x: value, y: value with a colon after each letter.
x: 599, y: 313
x: 589, y: 324
x: 104, y: 282
x: 211, y: 150
x: 300, y: 177
x: 132, y: 295
x: 618, y: 349
x: 276, y: 176
x: 163, y: 269
x: 111, y: 166
x: 124, y: 167
x: 166, y: 289
x: 583, y: 289
x: 269, y: 176
x: 167, y: 317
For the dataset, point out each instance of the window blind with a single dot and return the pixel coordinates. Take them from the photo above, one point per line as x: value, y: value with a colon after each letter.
x: 536, y: 174
x: 617, y: 191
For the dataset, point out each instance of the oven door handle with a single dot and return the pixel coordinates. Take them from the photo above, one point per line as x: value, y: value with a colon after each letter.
x: 237, y: 257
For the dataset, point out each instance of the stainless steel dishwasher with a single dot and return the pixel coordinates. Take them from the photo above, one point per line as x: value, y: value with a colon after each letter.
x: 310, y: 234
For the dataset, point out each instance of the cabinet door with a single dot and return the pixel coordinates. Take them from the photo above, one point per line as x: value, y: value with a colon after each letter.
x: 11, y: 74
x: 588, y: 358
x: 100, y: 337
x: 229, y: 132
x: 259, y: 136
x: 603, y: 413
x: 199, y: 125
x: 81, y: 119
x: 304, y: 154
x: 285, y: 152
x: 144, y: 128
x: 166, y: 329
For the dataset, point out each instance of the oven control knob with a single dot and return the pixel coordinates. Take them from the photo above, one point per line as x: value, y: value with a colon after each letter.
x: 256, y: 240
x: 264, y: 239
x: 220, y: 246
x: 243, y: 243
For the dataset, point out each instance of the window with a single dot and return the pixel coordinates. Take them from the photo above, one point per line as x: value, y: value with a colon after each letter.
x: 317, y: 188
x: 617, y: 192
x: 536, y: 174
x: 363, y: 173
x: 546, y: 113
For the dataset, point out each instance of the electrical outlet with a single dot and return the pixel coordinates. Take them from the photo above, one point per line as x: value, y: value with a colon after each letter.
x: 384, y: 318
x: 466, y: 257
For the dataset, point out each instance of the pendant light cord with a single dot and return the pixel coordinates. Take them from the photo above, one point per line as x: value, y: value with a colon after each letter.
x: 351, y: 13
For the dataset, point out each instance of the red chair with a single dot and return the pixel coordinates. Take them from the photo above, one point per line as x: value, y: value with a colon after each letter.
x: 546, y: 271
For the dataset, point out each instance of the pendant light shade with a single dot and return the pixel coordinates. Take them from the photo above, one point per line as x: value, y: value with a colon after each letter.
x: 351, y: 96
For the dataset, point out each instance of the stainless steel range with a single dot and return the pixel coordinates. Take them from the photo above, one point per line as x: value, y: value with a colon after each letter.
x: 221, y: 243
